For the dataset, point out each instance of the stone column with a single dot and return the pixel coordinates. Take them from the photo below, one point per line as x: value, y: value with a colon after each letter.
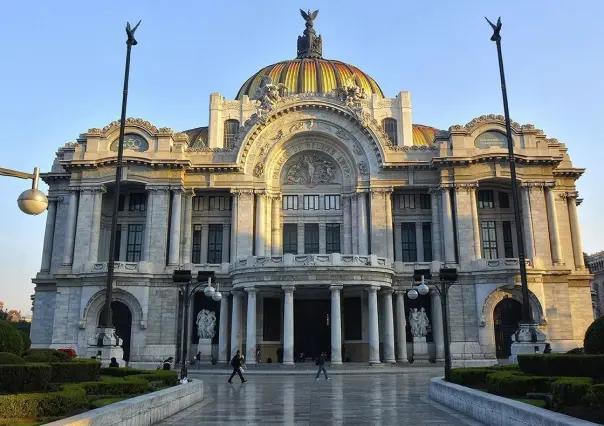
x: 72, y: 216
x: 322, y: 238
x: 475, y: 225
x: 173, y: 255
x: 186, y: 235
x: 250, y: 352
x: 437, y: 325
x: 145, y: 255
x: 276, y: 242
x: 354, y: 221
x: 49, y: 235
x: 336, y: 325
x: 401, y: 331
x: 268, y: 219
x: 236, y: 324
x: 95, y: 231
x: 419, y: 241
x: 205, y: 230
x: 388, y: 323
x: 347, y: 223
x: 84, y: 229
x: 374, y: 332
x: 288, y: 325
x: 554, y: 233
x: 260, y: 225
x: 398, y: 242
x: 362, y: 223
x: 389, y: 225
x: 575, y: 230
x: 300, y: 238
x: 436, y: 236
x: 157, y: 226
x: 234, y: 228
x: 527, y: 223
x: 449, y: 240
x: 223, y: 331
x: 226, y: 238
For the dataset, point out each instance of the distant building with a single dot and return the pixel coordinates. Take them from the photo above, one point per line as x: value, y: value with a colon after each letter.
x: 595, y: 263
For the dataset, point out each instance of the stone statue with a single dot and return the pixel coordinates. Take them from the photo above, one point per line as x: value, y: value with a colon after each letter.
x: 418, y: 321
x: 206, y: 323
x: 309, y: 17
x: 268, y: 94
x: 351, y: 92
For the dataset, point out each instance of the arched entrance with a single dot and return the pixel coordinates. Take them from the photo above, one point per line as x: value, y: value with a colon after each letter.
x: 122, y: 322
x: 506, y: 316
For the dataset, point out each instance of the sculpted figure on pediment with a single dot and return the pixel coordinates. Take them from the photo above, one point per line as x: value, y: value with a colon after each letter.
x: 310, y: 169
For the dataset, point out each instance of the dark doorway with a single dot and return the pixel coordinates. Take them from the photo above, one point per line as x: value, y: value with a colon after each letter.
x: 311, y: 327
x: 122, y: 322
x: 506, y: 317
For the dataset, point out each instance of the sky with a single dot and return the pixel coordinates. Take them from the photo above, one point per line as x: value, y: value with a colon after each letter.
x: 63, y: 65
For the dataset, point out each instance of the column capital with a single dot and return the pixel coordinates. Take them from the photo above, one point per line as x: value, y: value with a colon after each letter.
x: 387, y: 291
x: 236, y: 293
x: 93, y: 189
x: 260, y: 192
x: 188, y: 192
x: 288, y: 288
x: 164, y: 188
x: 534, y: 184
x: 177, y: 189
x: 400, y: 292
x: 434, y: 192
x: 381, y: 192
x: 569, y: 194
x: 251, y: 290
x: 336, y: 288
x: 248, y: 192
x: 372, y: 288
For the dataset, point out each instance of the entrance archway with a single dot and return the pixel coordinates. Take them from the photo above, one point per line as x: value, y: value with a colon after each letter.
x: 122, y: 322
x: 506, y: 316
x: 311, y: 327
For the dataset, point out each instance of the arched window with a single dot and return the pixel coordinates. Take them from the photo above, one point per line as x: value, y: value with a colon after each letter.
x: 389, y: 125
x: 231, y: 127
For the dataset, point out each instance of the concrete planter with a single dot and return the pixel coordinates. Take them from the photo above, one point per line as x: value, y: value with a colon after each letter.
x: 142, y: 410
x: 496, y: 410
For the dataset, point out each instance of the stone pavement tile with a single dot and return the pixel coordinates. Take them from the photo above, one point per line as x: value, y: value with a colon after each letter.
x: 396, y: 399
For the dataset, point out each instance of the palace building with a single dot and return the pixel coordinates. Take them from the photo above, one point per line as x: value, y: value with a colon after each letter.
x: 314, y: 197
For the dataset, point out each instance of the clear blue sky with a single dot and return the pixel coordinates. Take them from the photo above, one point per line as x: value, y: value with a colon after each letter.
x: 63, y: 67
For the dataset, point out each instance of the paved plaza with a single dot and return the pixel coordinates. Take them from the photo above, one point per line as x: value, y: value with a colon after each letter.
x: 381, y: 399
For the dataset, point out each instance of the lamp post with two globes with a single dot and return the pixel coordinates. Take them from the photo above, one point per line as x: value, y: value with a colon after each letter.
x: 32, y: 201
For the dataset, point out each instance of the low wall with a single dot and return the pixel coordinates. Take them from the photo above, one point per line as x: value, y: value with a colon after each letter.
x: 140, y: 411
x: 495, y: 410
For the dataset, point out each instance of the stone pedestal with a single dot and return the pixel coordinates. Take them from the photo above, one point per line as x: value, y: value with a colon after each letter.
x: 420, y: 350
x: 527, y: 340
x: 205, y: 347
x: 106, y: 345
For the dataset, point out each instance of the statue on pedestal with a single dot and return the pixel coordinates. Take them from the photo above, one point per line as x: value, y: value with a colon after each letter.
x: 206, y: 324
x: 418, y: 320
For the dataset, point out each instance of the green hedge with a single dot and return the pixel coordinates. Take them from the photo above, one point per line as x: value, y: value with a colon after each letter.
x: 169, y: 378
x: 471, y: 376
x: 569, y: 391
x: 35, y: 405
x: 10, y: 339
x: 9, y: 358
x: 593, y: 343
x: 122, y: 372
x: 595, y: 396
x: 563, y: 365
x: 114, y: 387
x: 45, y: 355
x: 77, y: 370
x: 24, y: 378
x: 26, y: 340
x: 509, y: 383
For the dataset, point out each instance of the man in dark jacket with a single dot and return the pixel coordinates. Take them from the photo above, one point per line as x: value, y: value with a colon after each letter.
x: 321, y: 363
x: 236, y: 364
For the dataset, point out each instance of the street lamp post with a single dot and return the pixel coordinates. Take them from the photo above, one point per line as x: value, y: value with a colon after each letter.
x: 32, y: 201
x: 528, y: 332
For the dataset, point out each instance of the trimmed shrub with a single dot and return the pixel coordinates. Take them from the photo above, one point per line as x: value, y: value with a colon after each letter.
x: 9, y: 358
x: 45, y: 355
x: 169, y: 378
x: 78, y: 370
x: 10, y: 339
x: 594, y: 337
x: 595, y: 396
x: 35, y: 405
x: 510, y: 367
x: 563, y: 365
x: 576, y: 351
x: 471, y: 376
x: 121, y: 372
x: 70, y: 352
x: 24, y: 378
x: 115, y: 387
x: 26, y: 340
x: 569, y: 391
x: 508, y: 383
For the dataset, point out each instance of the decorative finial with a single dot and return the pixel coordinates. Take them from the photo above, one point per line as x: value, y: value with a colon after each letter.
x: 310, y: 45
x: 130, y: 31
x: 496, y: 29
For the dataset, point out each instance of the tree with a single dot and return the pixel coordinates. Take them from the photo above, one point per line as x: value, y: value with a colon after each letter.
x: 13, y: 316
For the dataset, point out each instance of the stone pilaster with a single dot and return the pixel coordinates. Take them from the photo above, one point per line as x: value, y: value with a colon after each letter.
x: 234, y: 226
x: 336, y: 325
x: 465, y: 222
x: 156, y: 228
x: 95, y: 232
x: 84, y: 228
x: 347, y: 223
x: 553, y: 230
x: 276, y: 238
x: 374, y: 331
x: 541, y: 238
x: 49, y: 231
x: 186, y: 243
x: 250, y: 352
x: 205, y: 231
x: 322, y: 238
x: 380, y: 235
x: 260, y: 224
x: 72, y: 216
x: 419, y: 241
x: 527, y: 222
x: 575, y: 230
x: 288, y: 325
x: 436, y: 220
x: 354, y: 222
x: 362, y: 225
x: 223, y: 332
x: 268, y: 225
x: 244, y: 232
x: 389, y: 225
x: 447, y: 215
x: 176, y: 220
x: 226, y: 238
x: 475, y: 224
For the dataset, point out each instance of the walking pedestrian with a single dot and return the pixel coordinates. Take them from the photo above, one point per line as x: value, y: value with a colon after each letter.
x: 198, y: 361
x: 321, y: 363
x: 236, y: 364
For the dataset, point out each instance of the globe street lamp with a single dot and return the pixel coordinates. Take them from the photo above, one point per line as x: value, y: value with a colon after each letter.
x: 32, y: 201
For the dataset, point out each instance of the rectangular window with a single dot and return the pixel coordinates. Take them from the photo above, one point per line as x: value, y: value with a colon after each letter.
x: 121, y: 202
x: 311, y: 238
x: 137, y: 202
x: 352, y: 318
x: 196, y: 251
x: 332, y: 202
x: 406, y: 201
x: 290, y: 238
x: 135, y: 243
x: 118, y: 240
x: 217, y: 203
x: 332, y: 236
x: 508, y: 245
x: 489, y: 239
x: 311, y: 202
x: 290, y: 202
x: 425, y: 202
x: 198, y: 203
x: 409, y: 250
x: 271, y: 325
x: 504, y: 200
x: 485, y: 199
x: 427, y: 239
x: 215, y: 244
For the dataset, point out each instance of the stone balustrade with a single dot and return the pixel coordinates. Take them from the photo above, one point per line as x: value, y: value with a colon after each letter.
x: 292, y: 260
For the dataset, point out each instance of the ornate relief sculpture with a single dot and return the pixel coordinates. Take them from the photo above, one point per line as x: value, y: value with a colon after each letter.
x: 418, y: 320
x: 268, y: 94
x: 310, y: 169
x: 363, y: 169
x: 351, y: 92
x: 206, y: 324
x: 259, y: 169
